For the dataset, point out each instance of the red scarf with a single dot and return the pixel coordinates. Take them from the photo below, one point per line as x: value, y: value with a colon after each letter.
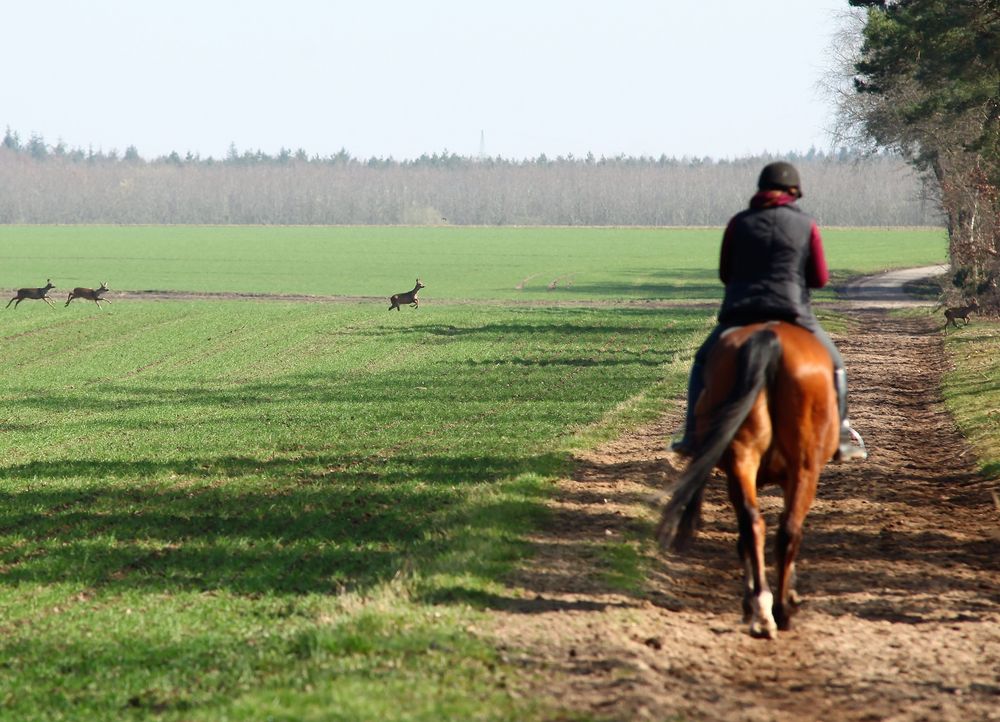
x: 771, y: 198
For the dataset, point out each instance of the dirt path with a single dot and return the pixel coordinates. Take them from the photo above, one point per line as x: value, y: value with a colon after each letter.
x: 548, y: 302
x: 900, y: 570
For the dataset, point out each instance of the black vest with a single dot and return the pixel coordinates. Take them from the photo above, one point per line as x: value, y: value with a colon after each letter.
x: 769, y: 250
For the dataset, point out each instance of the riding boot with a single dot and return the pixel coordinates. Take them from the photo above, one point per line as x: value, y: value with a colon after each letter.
x: 696, y: 383
x: 852, y: 446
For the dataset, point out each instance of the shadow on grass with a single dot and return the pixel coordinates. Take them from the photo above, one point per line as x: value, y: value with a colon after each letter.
x: 539, y: 604
x: 648, y: 359
x: 925, y: 289
x: 321, y: 524
x: 624, y: 323
x: 315, y: 524
x: 667, y: 284
x: 463, y: 383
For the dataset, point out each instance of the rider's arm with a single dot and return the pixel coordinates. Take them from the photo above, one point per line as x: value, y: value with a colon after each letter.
x: 817, y: 273
x: 724, y: 263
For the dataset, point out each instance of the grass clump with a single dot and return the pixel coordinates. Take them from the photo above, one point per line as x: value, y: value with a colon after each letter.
x: 972, y: 388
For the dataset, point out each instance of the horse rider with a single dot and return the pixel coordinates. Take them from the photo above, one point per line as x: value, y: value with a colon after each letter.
x: 772, y: 254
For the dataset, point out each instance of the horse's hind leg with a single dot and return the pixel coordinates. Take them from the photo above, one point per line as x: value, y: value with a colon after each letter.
x: 798, y: 499
x: 787, y: 546
x: 757, y: 597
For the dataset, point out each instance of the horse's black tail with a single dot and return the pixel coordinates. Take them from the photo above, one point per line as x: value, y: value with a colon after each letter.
x: 756, y: 364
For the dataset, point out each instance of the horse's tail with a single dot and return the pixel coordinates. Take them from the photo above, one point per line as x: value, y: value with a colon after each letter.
x: 756, y: 363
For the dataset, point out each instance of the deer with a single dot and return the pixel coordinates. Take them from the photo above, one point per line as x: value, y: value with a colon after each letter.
x: 409, y: 297
x: 962, y: 312
x: 89, y: 294
x: 33, y: 293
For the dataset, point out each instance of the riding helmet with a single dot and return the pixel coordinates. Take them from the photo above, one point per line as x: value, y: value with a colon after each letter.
x: 779, y: 176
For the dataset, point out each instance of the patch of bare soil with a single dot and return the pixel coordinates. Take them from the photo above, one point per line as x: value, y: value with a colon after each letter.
x: 898, y: 570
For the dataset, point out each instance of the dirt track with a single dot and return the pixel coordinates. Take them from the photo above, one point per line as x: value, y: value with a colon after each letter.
x: 899, y: 571
x: 166, y: 295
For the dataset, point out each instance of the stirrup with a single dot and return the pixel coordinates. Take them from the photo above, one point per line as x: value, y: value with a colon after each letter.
x: 852, y: 446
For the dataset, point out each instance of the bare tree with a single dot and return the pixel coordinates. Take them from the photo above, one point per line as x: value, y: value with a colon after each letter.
x: 843, y: 189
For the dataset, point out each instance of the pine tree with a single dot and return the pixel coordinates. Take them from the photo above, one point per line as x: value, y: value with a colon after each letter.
x: 930, y: 73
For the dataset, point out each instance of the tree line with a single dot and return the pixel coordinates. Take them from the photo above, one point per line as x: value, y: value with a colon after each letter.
x: 54, y: 184
x: 924, y: 82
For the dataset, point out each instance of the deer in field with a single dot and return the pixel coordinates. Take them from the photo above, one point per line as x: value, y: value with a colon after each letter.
x: 89, y: 294
x: 33, y: 293
x: 410, y: 297
x: 962, y: 312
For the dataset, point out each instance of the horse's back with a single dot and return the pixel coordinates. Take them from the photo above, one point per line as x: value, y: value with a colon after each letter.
x: 798, y: 408
x: 804, y: 361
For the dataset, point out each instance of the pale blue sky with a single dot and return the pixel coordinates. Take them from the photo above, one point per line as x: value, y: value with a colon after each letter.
x: 719, y: 78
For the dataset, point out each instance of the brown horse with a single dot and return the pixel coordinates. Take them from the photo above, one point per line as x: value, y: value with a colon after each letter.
x: 768, y: 415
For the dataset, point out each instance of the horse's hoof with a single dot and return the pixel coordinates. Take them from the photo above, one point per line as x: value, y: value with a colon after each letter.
x: 783, y: 616
x: 760, y: 629
x: 783, y: 613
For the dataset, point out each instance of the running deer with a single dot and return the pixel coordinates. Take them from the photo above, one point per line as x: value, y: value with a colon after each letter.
x: 410, y: 297
x: 961, y: 312
x: 33, y: 293
x: 90, y: 294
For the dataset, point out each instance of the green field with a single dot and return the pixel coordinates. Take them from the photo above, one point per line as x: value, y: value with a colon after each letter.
x: 972, y: 389
x: 228, y: 510
x: 454, y: 262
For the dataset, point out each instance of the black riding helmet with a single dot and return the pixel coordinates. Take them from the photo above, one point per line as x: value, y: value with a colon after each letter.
x: 779, y: 176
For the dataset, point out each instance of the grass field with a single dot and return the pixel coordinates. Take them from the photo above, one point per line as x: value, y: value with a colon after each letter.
x: 454, y: 262
x: 972, y: 389
x: 230, y: 510
x: 220, y: 506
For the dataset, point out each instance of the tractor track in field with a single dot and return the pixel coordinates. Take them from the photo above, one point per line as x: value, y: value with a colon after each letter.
x: 878, y: 287
x: 165, y: 295
x: 899, y: 569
